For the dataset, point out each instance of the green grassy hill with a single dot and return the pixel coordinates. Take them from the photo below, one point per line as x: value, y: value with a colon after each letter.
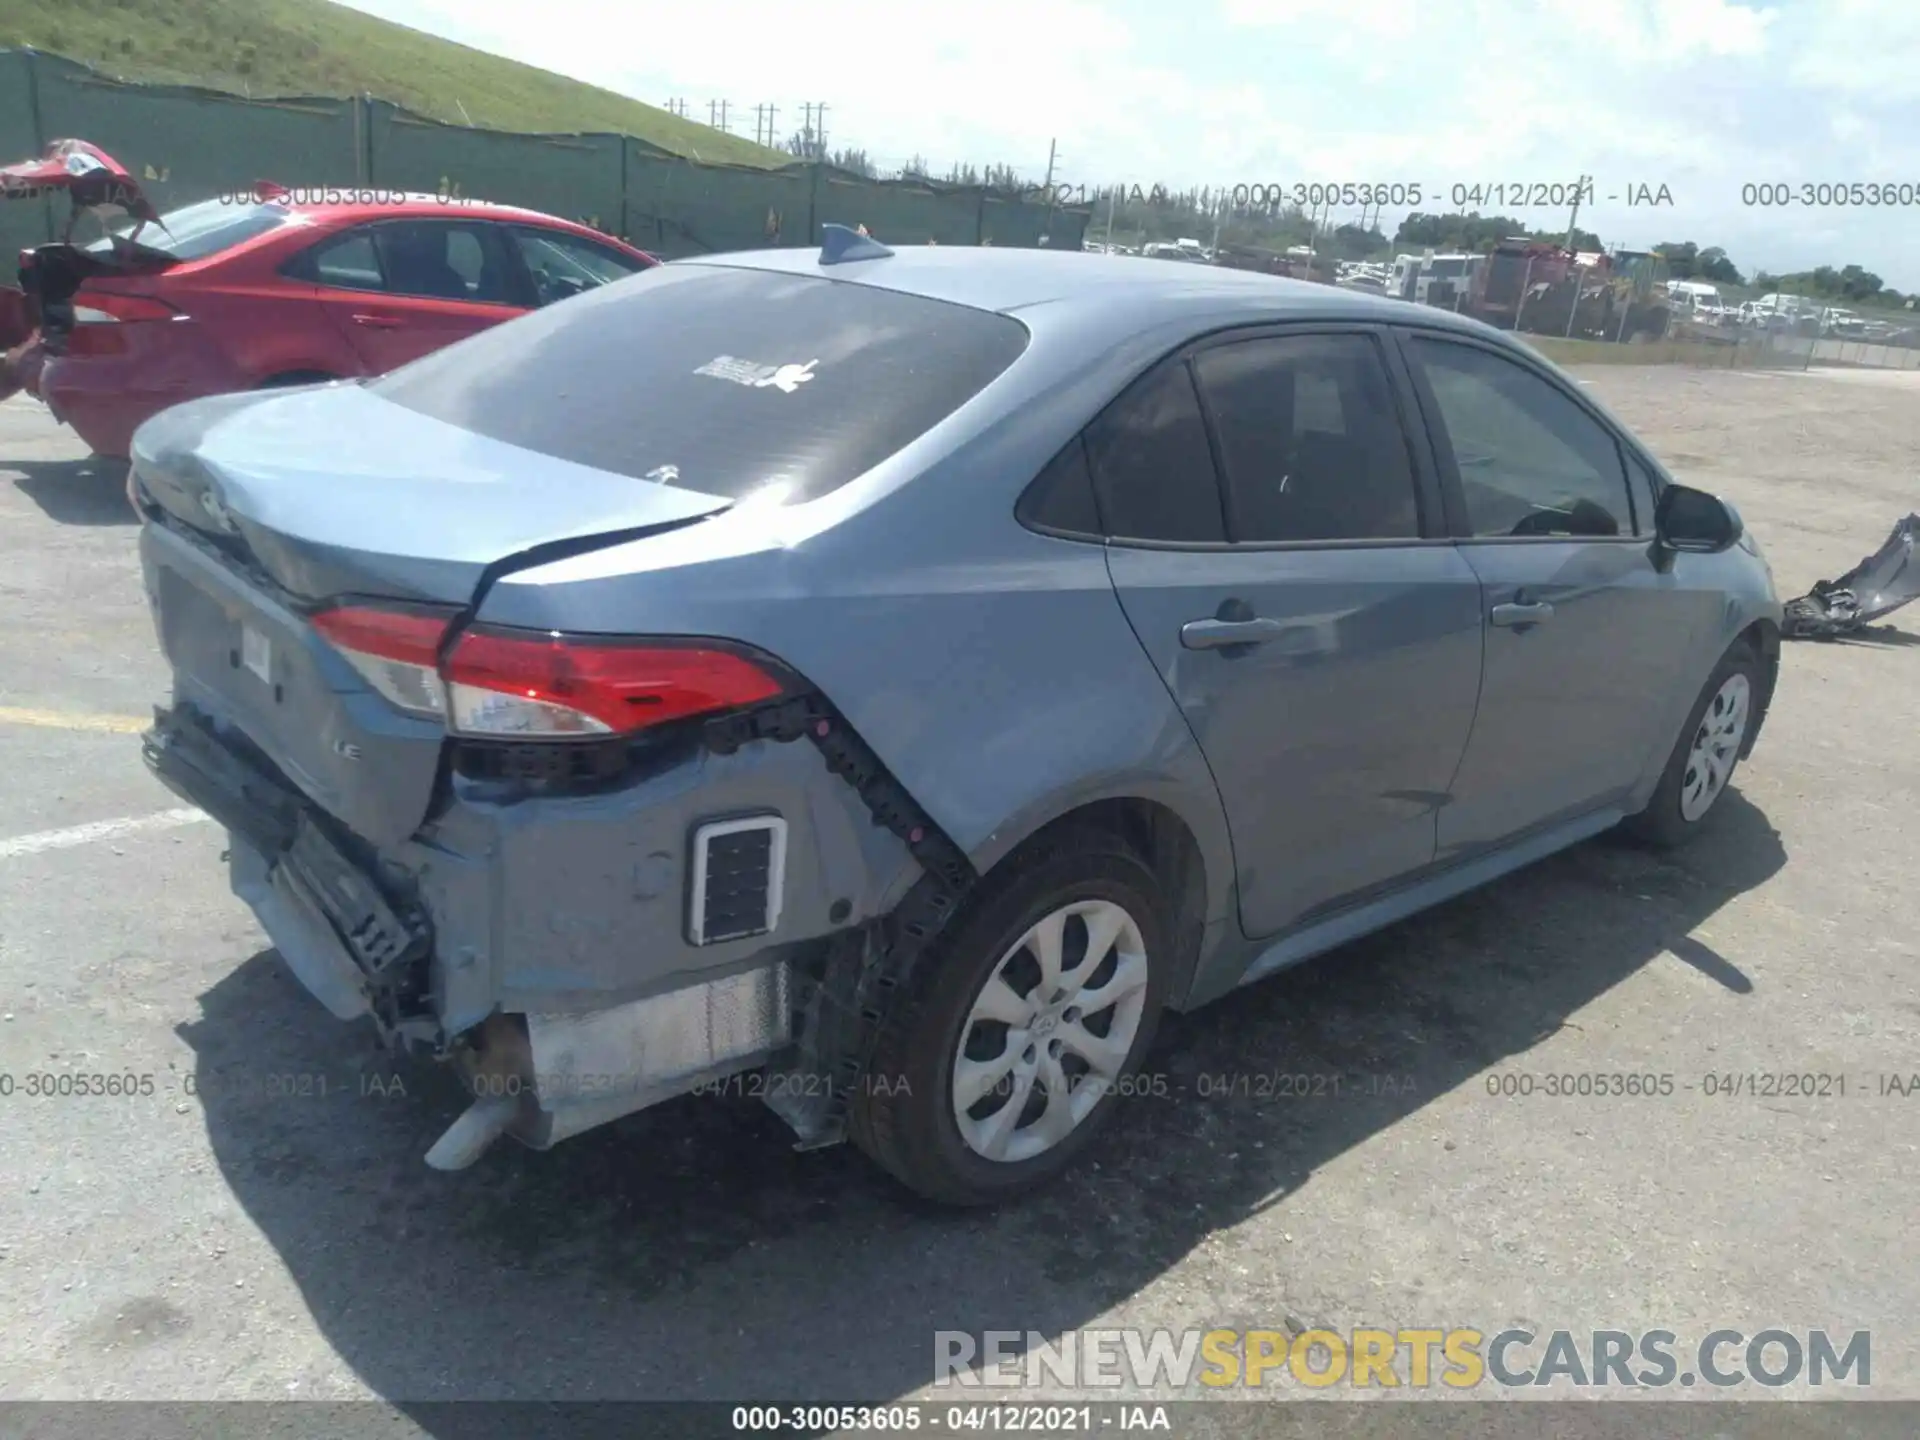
x: 313, y: 47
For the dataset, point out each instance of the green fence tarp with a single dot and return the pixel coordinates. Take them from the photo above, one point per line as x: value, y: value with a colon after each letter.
x: 22, y: 222
x: 573, y: 176
x: 900, y: 212
x: 677, y: 208
x: 185, y: 144
x: 1009, y: 220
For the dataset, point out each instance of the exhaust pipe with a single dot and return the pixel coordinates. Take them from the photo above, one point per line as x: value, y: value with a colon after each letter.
x: 498, y: 1069
x: 469, y: 1137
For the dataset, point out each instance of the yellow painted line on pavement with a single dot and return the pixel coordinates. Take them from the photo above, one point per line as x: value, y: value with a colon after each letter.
x: 73, y: 720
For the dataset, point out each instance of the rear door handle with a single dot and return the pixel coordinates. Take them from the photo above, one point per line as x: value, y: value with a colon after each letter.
x: 1219, y: 634
x: 1516, y: 616
x: 378, y: 322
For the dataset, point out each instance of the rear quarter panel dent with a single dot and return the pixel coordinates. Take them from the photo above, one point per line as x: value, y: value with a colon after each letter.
x: 585, y: 897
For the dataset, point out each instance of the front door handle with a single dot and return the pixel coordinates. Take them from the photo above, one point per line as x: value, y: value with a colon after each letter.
x: 378, y: 322
x: 1219, y: 634
x: 1518, y: 615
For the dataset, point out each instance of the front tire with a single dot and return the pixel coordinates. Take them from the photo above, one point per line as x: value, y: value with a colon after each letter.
x: 1024, y: 1025
x: 1705, y: 756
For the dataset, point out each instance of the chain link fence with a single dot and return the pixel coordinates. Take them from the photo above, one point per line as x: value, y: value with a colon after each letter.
x: 185, y: 144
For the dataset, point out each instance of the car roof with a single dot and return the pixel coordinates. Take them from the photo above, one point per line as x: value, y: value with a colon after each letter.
x: 409, y: 205
x: 1125, y: 290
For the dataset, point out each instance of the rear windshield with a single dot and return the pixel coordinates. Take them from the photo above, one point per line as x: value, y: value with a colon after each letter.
x: 721, y: 380
x: 196, y: 232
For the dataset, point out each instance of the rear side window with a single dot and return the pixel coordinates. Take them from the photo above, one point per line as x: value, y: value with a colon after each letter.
x: 347, y: 262
x: 1060, y: 499
x: 1152, y: 466
x: 1310, y: 439
x: 197, y: 232
x: 725, y: 381
x: 445, y: 260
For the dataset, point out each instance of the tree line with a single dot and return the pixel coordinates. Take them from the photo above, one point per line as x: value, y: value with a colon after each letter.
x: 1207, y: 212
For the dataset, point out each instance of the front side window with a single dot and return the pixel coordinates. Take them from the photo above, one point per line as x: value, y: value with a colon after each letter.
x: 1531, y: 461
x: 563, y: 264
x: 1645, y: 490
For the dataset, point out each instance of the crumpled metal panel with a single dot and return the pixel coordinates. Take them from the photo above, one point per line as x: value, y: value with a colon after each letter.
x: 1877, y: 586
x: 611, y: 1061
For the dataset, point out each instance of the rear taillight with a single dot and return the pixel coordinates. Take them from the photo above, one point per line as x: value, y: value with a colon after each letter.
x: 395, y: 651
x: 99, y: 320
x: 103, y: 308
x: 517, y: 683
x: 501, y: 683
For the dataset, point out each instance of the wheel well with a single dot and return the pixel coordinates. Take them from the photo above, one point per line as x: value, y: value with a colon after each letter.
x: 1762, y: 637
x: 1163, y: 840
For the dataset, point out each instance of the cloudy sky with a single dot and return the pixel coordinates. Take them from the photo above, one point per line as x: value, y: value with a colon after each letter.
x: 1701, y: 96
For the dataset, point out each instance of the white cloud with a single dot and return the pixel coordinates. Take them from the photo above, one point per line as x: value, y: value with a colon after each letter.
x: 1702, y: 96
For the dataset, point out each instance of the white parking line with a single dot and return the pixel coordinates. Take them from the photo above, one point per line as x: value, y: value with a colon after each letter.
x: 98, y: 830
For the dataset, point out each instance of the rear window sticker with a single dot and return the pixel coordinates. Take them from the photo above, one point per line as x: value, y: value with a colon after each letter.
x: 787, y: 378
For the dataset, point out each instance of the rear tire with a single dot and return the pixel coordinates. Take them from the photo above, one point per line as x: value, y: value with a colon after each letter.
x: 1705, y: 756
x: 946, y: 1039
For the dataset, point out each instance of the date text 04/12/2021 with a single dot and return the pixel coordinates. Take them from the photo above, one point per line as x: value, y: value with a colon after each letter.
x: 1716, y: 1084
x: 1312, y: 194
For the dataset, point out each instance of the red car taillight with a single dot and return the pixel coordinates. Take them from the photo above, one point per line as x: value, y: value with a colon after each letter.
x: 108, y: 308
x: 542, y: 685
x: 395, y: 651
x: 504, y: 683
x: 98, y: 317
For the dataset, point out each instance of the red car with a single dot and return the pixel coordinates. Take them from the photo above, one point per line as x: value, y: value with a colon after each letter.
x: 272, y: 287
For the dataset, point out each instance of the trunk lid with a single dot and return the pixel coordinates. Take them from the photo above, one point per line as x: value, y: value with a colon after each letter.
x: 276, y: 501
x: 331, y: 490
x: 90, y: 177
x: 50, y: 274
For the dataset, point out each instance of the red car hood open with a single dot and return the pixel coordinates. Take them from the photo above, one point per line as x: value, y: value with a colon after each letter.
x: 93, y: 178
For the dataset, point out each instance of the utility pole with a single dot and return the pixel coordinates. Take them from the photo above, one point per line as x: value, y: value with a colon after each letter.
x: 723, y: 116
x: 1047, y: 185
x: 713, y: 114
x: 1573, y: 220
x: 773, y: 136
x: 763, y: 123
x: 820, y: 120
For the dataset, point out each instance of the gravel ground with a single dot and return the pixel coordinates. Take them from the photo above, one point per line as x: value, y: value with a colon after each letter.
x: 234, y: 1243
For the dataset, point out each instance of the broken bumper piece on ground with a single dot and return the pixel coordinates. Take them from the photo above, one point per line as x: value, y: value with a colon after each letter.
x: 1876, y: 587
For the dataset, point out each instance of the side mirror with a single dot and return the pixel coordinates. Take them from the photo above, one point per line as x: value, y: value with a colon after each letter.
x: 1694, y: 522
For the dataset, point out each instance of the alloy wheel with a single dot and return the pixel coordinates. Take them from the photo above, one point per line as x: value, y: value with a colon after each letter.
x: 1716, y: 746
x: 1050, y: 1032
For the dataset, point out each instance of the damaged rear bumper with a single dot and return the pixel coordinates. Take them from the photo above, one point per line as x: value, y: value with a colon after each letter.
x: 363, y: 948
x: 550, y: 947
